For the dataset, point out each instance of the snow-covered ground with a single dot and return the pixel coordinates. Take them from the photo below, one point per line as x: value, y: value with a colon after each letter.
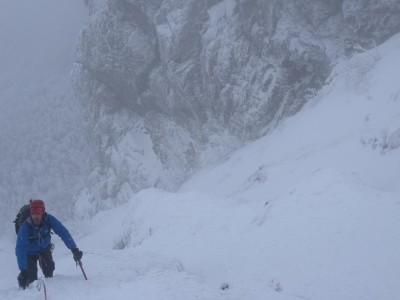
x: 310, y: 211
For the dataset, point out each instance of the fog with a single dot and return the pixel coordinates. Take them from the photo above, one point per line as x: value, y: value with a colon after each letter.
x: 39, y: 34
x: 42, y: 142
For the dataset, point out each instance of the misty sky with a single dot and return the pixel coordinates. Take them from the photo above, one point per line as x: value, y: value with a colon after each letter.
x: 38, y: 112
x: 39, y: 33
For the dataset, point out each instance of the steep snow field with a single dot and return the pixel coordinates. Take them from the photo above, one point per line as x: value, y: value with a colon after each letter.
x: 310, y: 211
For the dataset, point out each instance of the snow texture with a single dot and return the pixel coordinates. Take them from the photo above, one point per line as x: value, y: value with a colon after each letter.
x: 309, y: 211
x: 202, y: 78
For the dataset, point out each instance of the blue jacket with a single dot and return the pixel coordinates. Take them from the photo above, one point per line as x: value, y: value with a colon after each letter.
x: 32, y: 240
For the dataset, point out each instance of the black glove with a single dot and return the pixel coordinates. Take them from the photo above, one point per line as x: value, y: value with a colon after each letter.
x: 77, y: 254
x: 23, y: 279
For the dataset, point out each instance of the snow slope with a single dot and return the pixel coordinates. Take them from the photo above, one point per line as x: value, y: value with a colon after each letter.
x: 307, y: 212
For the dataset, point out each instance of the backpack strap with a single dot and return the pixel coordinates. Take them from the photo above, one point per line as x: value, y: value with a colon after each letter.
x: 29, y: 223
x: 45, y: 222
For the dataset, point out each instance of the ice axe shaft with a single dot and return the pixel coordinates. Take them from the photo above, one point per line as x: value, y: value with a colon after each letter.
x: 83, y: 271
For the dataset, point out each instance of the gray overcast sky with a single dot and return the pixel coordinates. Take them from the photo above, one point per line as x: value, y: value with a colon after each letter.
x: 39, y: 33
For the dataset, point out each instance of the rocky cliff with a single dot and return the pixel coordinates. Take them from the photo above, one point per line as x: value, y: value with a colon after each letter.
x: 171, y: 85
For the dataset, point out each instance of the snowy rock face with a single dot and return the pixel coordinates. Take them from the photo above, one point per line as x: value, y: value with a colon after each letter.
x: 170, y: 85
x: 372, y: 19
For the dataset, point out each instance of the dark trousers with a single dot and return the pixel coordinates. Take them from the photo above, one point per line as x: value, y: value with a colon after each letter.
x: 46, y: 263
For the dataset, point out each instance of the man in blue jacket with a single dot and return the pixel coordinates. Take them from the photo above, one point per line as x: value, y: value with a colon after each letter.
x: 34, y: 244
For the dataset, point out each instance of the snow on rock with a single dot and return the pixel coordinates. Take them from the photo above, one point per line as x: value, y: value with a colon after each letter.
x: 206, y: 77
x: 308, y: 212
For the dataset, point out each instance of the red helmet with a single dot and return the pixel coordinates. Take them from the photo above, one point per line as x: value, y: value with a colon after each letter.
x: 37, y: 207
